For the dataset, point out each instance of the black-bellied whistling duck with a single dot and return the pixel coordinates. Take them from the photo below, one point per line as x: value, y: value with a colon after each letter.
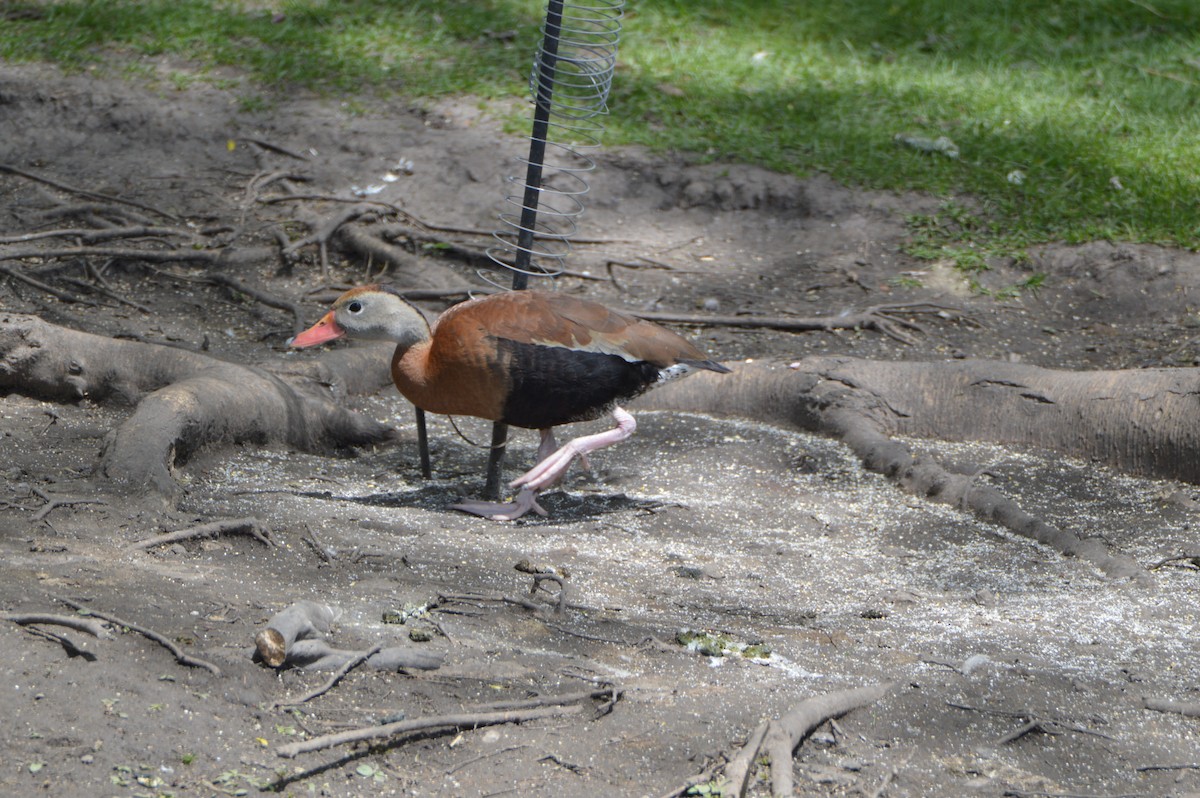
x: 532, y: 359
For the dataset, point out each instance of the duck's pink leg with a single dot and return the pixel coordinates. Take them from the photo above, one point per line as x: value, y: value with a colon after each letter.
x: 503, y: 511
x: 551, y: 469
x: 526, y: 500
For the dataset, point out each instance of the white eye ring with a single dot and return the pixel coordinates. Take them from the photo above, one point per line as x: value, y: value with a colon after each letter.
x: 355, y: 307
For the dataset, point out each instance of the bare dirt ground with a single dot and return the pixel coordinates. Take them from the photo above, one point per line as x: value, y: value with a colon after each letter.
x: 1018, y: 671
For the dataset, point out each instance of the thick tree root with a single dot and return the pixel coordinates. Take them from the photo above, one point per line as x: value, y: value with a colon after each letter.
x: 1145, y: 421
x: 186, y: 400
x: 779, y: 738
x: 295, y: 638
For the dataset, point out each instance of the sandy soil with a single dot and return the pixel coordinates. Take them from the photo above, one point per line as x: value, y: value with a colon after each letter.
x: 725, y: 526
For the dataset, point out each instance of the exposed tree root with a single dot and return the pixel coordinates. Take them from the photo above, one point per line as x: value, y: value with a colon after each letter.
x: 295, y: 638
x: 1189, y: 708
x: 779, y: 738
x: 82, y: 192
x: 186, y: 400
x: 246, y: 526
x: 466, y: 720
x: 332, y: 681
x: 76, y: 622
x: 54, y: 502
x: 891, y: 320
x: 1144, y: 421
x: 180, y: 656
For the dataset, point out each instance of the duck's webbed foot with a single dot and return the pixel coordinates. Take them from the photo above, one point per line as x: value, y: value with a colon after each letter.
x: 525, y: 501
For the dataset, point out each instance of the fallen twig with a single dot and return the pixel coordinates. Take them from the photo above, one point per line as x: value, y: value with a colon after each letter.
x: 180, y: 657
x: 278, y: 148
x: 1015, y: 793
x: 270, y: 300
x: 210, y: 256
x: 887, y: 319
x: 54, y: 502
x: 703, y: 777
x: 82, y: 192
x: 610, y: 691
x: 334, y: 679
x: 247, y: 526
x: 460, y: 721
x: 99, y: 287
x: 1192, y: 559
x: 89, y: 235
x: 328, y: 227
x: 1033, y: 722
x: 39, y: 285
x: 541, y: 573
x: 482, y: 757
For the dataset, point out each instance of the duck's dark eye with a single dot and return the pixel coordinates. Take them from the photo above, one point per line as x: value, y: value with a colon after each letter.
x: 355, y: 307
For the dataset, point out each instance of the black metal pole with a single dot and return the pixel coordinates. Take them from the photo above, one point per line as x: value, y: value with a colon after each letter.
x: 543, y: 95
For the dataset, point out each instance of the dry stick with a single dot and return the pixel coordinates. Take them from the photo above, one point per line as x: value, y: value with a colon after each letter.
x: 267, y: 145
x: 180, y: 657
x: 460, y: 721
x: 546, y: 575
x: 91, y: 234
x: 270, y: 300
x: 1012, y: 792
x: 108, y: 292
x: 787, y: 732
x: 82, y: 191
x: 482, y: 757
x: 98, y: 278
x: 327, y: 228
x: 39, y: 285
x: 611, y: 691
x: 53, y: 503
x: 333, y: 680
x: 249, y: 526
x: 76, y: 622
x: 1193, y: 558
x: 1188, y: 708
x: 1021, y: 731
x: 882, y: 318
x: 157, y: 255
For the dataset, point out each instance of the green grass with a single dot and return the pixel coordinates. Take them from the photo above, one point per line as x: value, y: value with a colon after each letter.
x: 1095, y: 103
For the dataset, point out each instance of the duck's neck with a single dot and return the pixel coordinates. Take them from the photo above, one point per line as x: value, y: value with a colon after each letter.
x: 405, y: 328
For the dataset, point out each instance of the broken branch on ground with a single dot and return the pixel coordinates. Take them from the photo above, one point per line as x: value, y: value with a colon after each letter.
x: 244, y: 526
x: 180, y: 656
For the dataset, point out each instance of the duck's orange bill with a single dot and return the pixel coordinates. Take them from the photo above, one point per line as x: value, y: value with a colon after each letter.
x: 325, y: 330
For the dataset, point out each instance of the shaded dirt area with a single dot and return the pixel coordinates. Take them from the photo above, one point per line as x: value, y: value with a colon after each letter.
x: 1019, y: 672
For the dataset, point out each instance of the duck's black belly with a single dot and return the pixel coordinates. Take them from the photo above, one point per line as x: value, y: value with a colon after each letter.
x: 552, y: 385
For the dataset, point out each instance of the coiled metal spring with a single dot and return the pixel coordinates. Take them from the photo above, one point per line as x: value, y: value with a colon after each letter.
x: 570, y: 81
